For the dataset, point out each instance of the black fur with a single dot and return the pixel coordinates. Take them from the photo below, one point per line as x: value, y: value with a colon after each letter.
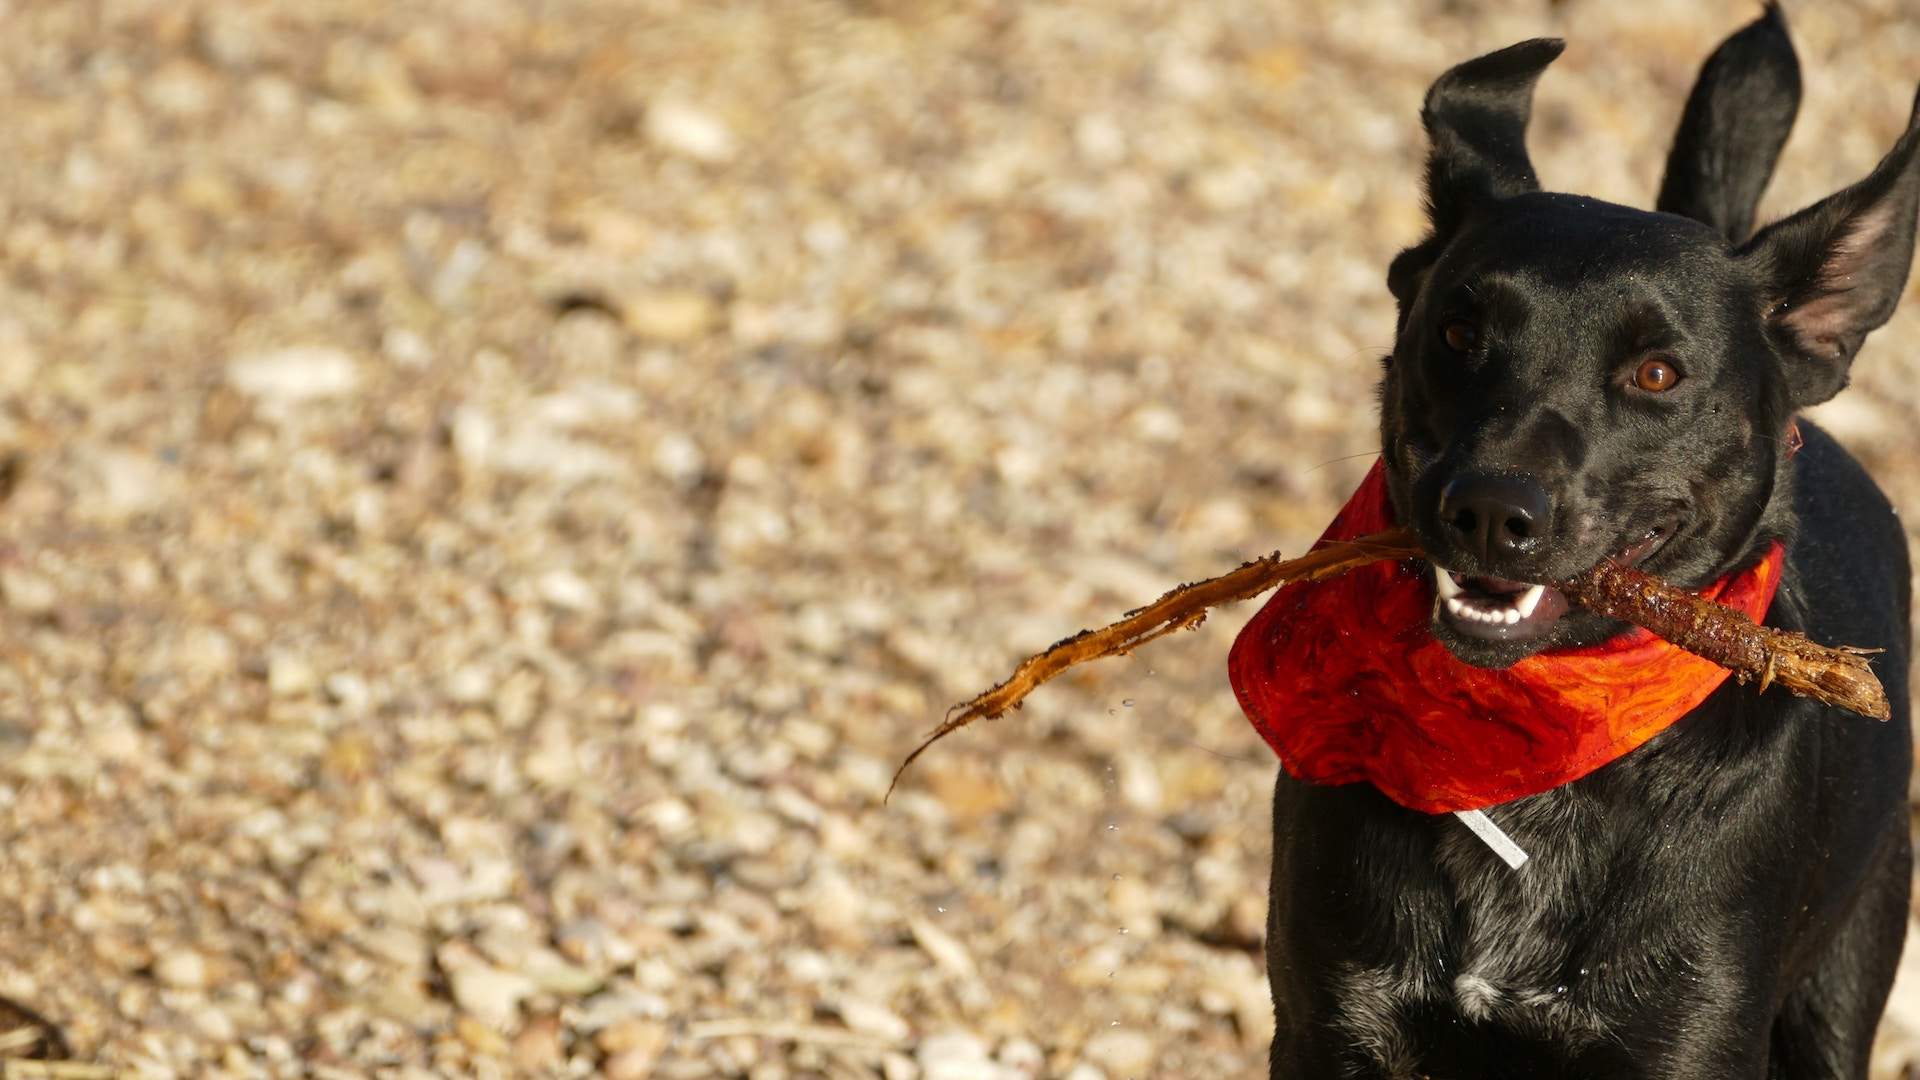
x: 1729, y: 901
x: 1736, y: 121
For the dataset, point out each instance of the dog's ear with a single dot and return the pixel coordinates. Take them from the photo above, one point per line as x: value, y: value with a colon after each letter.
x: 1834, y: 272
x: 1476, y: 120
x: 1735, y: 123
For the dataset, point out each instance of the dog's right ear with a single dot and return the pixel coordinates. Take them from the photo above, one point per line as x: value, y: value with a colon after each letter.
x: 1833, y: 273
x: 1476, y: 119
x: 1735, y: 123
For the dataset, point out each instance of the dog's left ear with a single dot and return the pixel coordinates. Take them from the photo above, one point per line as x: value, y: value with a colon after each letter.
x: 1476, y: 119
x: 1834, y: 272
x: 1736, y: 121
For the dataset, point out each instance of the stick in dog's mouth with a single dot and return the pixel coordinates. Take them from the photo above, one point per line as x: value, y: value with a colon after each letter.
x: 1839, y: 676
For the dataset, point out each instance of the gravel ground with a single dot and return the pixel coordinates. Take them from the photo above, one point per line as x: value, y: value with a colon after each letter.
x: 495, y: 490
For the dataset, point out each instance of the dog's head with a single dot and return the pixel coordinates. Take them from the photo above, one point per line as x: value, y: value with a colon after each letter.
x: 1573, y: 381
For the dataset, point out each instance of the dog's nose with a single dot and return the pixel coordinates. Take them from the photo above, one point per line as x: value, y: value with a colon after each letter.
x: 1495, y: 516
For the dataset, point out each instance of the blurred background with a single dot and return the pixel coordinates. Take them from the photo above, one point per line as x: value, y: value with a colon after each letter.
x: 495, y: 488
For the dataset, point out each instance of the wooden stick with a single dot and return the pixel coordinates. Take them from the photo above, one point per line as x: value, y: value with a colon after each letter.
x: 1181, y: 608
x: 1838, y: 676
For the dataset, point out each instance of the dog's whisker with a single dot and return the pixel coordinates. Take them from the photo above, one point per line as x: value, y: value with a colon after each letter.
x: 1341, y: 458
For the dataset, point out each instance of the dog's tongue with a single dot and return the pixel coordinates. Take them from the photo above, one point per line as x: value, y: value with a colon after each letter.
x: 1497, y: 586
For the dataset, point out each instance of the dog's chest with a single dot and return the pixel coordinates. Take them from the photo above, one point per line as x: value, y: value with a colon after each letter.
x: 1507, y: 958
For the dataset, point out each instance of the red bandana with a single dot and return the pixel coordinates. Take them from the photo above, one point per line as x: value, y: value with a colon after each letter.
x: 1346, y: 683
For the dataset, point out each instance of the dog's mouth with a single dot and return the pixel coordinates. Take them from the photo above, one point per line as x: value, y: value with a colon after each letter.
x: 1498, y: 609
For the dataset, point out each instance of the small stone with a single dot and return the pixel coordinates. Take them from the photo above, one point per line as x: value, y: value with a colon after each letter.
x: 1122, y: 1051
x: 640, y: 1047
x: 470, y: 685
x: 551, y: 973
x: 592, y: 944
x: 349, y: 691
x: 1135, y: 905
x: 954, y: 1055
x: 28, y: 592
x: 630, y: 1033
x: 895, y: 1066
x: 1157, y: 423
x: 122, y: 951
x: 290, y: 675
x: 296, y: 373
x: 1023, y: 1056
x: 690, y: 131
x: 970, y: 793
x: 214, y: 1025
x: 678, y: 458
x: 632, y: 1065
x: 870, y: 1018
x: 182, y: 969
x: 121, y: 486
x: 1230, y: 188
x: 406, y: 348
x: 540, y: 1046
x: 182, y: 89
x: 395, y: 945
x: 670, y: 316
x: 490, y: 994
x: 943, y: 947
x: 1101, y: 140
x: 568, y: 591
x: 480, y: 1038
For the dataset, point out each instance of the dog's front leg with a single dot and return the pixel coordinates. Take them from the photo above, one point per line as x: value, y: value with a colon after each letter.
x: 1718, y: 1039
x: 1297, y: 1056
x: 1337, y: 1022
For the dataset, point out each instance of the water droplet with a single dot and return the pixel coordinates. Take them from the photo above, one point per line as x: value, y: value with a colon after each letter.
x: 941, y: 910
x: 1126, y: 702
x: 1111, y: 827
x: 1116, y: 877
x: 1116, y: 1023
x: 1559, y: 989
x: 1123, y: 930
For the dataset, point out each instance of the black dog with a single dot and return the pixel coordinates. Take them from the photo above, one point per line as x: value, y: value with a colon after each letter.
x: 1574, y: 381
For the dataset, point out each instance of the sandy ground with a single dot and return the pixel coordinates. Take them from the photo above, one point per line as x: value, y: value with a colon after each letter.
x: 496, y: 488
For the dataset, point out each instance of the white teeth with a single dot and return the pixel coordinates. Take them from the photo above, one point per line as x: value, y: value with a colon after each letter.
x: 1472, y: 612
x: 1507, y: 611
x: 1530, y: 600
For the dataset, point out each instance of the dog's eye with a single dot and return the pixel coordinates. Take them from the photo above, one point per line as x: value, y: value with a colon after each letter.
x: 1656, y: 375
x: 1460, y: 335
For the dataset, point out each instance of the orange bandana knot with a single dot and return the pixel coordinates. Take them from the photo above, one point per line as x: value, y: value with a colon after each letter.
x: 1346, y: 682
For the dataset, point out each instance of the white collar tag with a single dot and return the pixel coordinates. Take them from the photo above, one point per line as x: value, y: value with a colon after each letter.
x: 1502, y: 844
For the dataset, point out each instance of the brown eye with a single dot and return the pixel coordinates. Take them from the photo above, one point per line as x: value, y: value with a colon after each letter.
x: 1460, y: 335
x: 1656, y: 375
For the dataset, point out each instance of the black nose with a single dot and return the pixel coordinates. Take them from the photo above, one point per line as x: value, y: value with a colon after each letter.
x: 1494, y: 516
